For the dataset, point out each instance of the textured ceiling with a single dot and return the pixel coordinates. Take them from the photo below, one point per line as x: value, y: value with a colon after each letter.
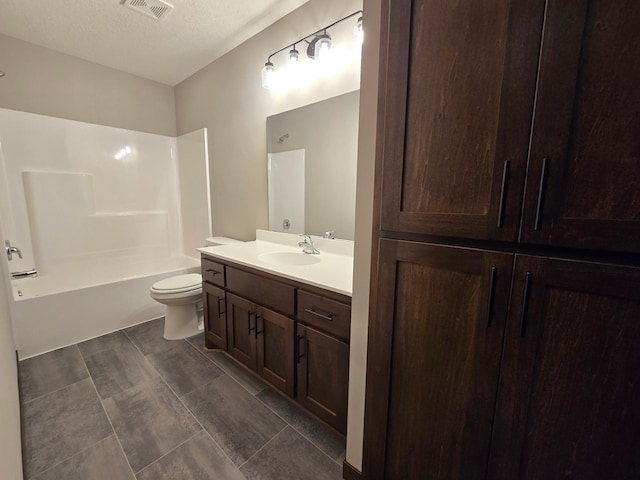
x: 192, y: 35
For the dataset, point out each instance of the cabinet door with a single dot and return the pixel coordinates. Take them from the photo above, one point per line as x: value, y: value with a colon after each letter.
x: 583, y: 184
x: 215, y: 332
x: 275, y: 342
x: 241, y: 321
x: 568, y: 404
x: 435, y: 341
x: 458, y: 90
x: 323, y: 376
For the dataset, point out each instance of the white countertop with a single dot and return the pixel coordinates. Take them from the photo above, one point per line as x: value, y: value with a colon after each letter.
x: 333, y: 271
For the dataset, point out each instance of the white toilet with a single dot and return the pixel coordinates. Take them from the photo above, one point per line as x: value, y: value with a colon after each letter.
x: 182, y: 294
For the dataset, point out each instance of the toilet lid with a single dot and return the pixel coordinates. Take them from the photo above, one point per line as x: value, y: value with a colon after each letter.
x: 179, y: 283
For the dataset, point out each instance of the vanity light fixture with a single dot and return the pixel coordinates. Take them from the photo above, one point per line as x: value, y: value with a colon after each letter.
x: 319, y: 44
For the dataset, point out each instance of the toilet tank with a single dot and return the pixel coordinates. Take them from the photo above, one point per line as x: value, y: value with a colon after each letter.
x: 213, y: 241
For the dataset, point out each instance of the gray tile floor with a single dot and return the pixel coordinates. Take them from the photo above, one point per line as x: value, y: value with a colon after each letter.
x: 131, y: 405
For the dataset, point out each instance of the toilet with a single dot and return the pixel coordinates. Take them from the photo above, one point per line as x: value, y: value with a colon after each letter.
x: 182, y: 295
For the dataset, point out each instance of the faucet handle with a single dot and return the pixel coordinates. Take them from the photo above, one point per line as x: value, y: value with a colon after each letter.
x: 329, y: 234
x: 306, y: 238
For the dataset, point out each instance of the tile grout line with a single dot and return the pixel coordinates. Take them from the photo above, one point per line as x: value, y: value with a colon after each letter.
x: 297, y: 431
x: 72, y: 456
x: 54, y: 391
x: 106, y: 414
x: 266, y: 405
x: 165, y: 454
x: 187, y: 408
x: 263, y: 446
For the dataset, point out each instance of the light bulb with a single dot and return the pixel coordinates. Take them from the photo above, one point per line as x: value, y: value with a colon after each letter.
x: 358, y: 34
x: 323, y: 44
x: 268, y: 73
x: 294, y: 55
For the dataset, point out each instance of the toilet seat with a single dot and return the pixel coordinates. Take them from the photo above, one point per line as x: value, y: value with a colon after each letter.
x: 178, y: 284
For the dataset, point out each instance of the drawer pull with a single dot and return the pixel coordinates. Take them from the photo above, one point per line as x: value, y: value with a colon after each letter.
x: 213, y: 273
x: 300, y: 354
x: 328, y: 318
x: 220, y: 312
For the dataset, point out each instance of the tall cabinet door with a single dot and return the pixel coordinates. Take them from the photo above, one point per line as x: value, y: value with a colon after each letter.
x: 569, y: 397
x: 458, y: 96
x: 241, y: 322
x: 583, y: 186
x: 275, y: 342
x: 215, y: 317
x: 435, y: 340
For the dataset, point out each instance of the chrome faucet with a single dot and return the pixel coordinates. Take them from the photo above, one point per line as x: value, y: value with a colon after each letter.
x: 11, y: 250
x: 307, y: 243
x: 329, y: 235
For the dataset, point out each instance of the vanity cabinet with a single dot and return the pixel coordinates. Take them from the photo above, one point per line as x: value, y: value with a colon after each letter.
x: 263, y: 340
x: 293, y: 335
x: 215, y: 316
x: 323, y: 376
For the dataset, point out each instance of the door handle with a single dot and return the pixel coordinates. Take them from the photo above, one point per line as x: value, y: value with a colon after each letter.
x: 503, y: 192
x: 249, y: 328
x: 300, y: 354
x: 258, y: 317
x: 220, y: 312
x: 492, y: 292
x: 525, y: 304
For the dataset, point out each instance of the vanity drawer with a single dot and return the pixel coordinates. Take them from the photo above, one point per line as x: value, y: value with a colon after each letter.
x: 328, y: 315
x: 264, y: 291
x: 212, y: 272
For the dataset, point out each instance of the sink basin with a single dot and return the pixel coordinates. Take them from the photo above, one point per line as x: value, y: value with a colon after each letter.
x: 289, y: 258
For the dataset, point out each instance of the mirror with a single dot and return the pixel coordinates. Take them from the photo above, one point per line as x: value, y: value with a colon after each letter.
x: 312, y: 154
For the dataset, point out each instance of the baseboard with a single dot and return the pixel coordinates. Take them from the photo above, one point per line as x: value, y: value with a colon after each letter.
x: 349, y: 472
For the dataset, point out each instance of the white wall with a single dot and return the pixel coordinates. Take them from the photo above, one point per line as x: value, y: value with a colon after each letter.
x: 227, y: 97
x: 39, y: 80
x: 363, y: 233
x: 10, y: 448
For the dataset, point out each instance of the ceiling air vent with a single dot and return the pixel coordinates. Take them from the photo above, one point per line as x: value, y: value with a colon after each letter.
x: 155, y: 9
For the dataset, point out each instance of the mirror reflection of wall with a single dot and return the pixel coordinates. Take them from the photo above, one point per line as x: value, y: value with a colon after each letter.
x: 327, y: 131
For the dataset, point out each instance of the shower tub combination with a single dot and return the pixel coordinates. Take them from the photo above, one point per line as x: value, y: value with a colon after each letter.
x: 102, y: 214
x: 49, y: 312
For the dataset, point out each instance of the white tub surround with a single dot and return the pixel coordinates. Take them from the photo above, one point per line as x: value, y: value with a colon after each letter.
x: 332, y: 270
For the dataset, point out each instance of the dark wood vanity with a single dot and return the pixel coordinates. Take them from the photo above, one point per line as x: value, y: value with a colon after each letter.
x: 294, y: 335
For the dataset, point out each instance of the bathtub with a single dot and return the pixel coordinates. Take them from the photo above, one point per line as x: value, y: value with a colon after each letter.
x: 63, y: 306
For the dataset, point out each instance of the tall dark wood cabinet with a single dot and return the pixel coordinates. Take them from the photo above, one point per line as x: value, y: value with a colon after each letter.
x: 504, y: 338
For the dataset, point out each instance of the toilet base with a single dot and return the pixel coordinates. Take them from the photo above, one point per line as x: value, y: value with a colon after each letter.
x: 181, y: 321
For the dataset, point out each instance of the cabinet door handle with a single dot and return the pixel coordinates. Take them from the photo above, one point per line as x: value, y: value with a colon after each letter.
x: 249, y: 329
x: 492, y: 292
x: 541, y: 191
x: 503, y: 192
x: 220, y: 312
x: 312, y: 311
x: 258, y: 316
x: 300, y: 354
x: 525, y: 304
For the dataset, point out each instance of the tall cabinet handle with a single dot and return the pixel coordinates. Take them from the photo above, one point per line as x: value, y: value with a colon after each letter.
x: 258, y: 332
x: 543, y: 184
x: 492, y: 292
x: 503, y: 192
x: 525, y: 305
